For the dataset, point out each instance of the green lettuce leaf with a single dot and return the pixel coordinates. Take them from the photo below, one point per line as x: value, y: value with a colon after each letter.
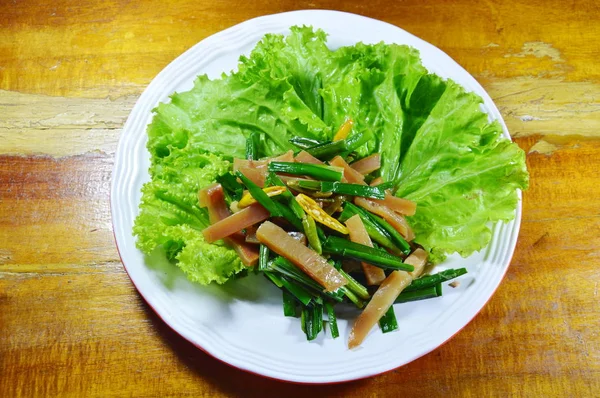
x: 372, y: 84
x: 218, y: 116
x: 170, y: 217
x: 461, y: 173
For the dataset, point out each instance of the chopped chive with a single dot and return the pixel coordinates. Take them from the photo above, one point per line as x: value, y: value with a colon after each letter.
x: 343, y: 188
x: 387, y: 185
x: 252, y: 146
x: 231, y: 185
x: 354, y: 285
x: 312, y: 320
x: 260, y: 196
x: 263, y: 258
x: 388, y: 321
x: 433, y: 280
x: 289, y: 303
x: 277, y: 281
x: 356, y: 141
x: 379, y: 260
x: 306, y: 184
x: 383, y: 225
x: 321, y: 172
x: 357, y: 301
x: 376, y: 233
x: 305, y: 143
x: 285, y: 267
x: 303, y: 296
x: 371, y: 255
x: 306, y: 323
x: 273, y: 179
x: 333, y: 327
x: 308, y: 320
x: 289, y: 215
x: 320, y: 233
x: 294, y: 212
x: 335, y: 263
x: 328, y: 150
x: 318, y: 316
x: 421, y: 294
x: 289, y: 270
x: 397, y: 238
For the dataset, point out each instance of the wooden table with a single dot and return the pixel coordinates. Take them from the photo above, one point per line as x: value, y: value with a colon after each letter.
x: 71, y: 322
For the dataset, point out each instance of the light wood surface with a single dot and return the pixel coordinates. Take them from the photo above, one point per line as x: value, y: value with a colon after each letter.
x: 71, y: 322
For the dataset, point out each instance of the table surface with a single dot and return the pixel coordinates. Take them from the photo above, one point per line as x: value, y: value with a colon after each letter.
x: 71, y: 322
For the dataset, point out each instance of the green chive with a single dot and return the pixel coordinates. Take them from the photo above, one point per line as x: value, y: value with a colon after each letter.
x: 397, y: 237
x: 252, y: 146
x: 263, y: 258
x: 231, y: 185
x: 388, y: 322
x: 289, y: 270
x: 312, y: 320
x: 273, y: 179
x: 304, y: 296
x: 277, y: 281
x: 432, y: 280
x: 306, y: 184
x: 390, y: 231
x: 305, y: 143
x: 357, y: 301
x: 421, y: 294
x: 343, y: 188
x: 289, y: 215
x: 320, y: 172
x: 371, y: 255
x: 328, y: 150
x: 355, y: 286
x: 289, y: 303
x: 333, y: 327
x: 376, y: 233
x: 318, y: 315
x: 356, y: 140
x: 260, y: 196
x: 387, y: 185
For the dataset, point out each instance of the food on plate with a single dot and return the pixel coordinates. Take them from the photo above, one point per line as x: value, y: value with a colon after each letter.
x: 381, y: 166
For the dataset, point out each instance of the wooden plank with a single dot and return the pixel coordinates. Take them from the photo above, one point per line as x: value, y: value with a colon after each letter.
x: 33, y: 124
x: 58, y: 126
x: 55, y: 211
x: 114, y: 47
x: 100, y: 339
x: 546, y: 106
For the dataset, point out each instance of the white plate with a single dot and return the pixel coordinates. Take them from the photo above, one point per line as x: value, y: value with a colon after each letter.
x: 242, y: 323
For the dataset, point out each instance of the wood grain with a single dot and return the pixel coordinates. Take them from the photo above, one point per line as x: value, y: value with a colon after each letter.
x: 71, y: 322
